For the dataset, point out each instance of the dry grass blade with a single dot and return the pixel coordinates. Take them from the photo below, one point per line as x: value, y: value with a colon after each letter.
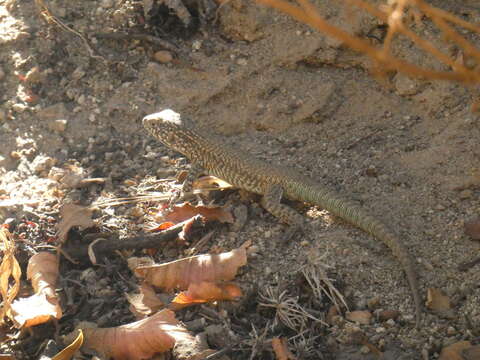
x: 288, y: 311
x: 320, y: 284
x: 51, y: 18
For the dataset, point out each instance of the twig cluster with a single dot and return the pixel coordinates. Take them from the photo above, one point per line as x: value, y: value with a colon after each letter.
x: 394, y: 15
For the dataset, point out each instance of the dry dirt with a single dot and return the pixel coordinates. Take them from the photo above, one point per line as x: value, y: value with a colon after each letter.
x: 405, y: 149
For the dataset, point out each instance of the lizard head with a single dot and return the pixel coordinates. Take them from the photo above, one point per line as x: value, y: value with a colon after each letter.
x: 167, y: 127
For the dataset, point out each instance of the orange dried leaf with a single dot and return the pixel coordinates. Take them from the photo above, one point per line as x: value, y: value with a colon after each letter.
x: 437, y: 301
x: 138, y: 340
x: 472, y: 228
x: 145, y: 303
x: 211, y: 213
x: 205, y: 292
x: 70, y: 350
x: 181, y: 273
x: 9, y: 271
x: 280, y: 348
x: 42, y: 270
x: 73, y: 215
x: 163, y: 226
x: 454, y: 351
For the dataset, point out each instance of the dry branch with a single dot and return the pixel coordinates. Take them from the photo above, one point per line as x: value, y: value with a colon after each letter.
x: 383, y: 60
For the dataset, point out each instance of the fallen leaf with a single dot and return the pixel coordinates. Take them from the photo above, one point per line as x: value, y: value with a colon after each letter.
x: 42, y: 270
x: 10, y: 273
x: 73, y: 215
x: 142, y: 339
x: 181, y: 273
x: 361, y: 317
x: 211, y: 213
x: 204, y: 292
x: 471, y: 353
x: 472, y: 228
x: 144, y: 303
x: 159, y: 227
x: 208, y: 183
x: 454, y: 351
x: 437, y: 301
x: 280, y: 348
x: 388, y: 314
x: 70, y: 350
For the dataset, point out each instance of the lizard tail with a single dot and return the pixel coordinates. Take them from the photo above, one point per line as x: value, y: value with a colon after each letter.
x: 357, y: 217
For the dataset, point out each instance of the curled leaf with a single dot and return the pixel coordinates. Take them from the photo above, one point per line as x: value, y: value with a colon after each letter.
x: 145, y: 303
x: 181, y: 273
x: 9, y: 271
x: 206, y: 183
x: 73, y: 215
x: 204, y: 292
x: 42, y: 270
x: 70, y: 350
x: 142, y: 339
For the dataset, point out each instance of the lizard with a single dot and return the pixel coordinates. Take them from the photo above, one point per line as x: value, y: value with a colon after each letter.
x: 208, y: 154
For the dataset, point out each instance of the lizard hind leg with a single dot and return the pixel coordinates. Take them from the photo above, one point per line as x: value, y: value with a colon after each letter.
x: 271, y: 202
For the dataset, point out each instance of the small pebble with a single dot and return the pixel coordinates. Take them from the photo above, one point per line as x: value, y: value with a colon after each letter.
x: 163, y: 56
x: 465, y: 194
x: 2, y: 73
x: 359, y: 316
x: 106, y: 4
x: 196, y: 45
x: 59, y: 125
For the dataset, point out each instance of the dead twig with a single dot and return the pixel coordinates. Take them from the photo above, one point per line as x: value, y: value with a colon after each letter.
x: 146, y: 241
x: 383, y: 60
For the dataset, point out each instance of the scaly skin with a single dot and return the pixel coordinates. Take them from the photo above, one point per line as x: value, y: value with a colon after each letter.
x: 243, y: 171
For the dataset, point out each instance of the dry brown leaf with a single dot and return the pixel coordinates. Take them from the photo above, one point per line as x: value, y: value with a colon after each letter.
x: 73, y: 215
x: 210, y: 183
x: 280, y: 348
x: 181, y: 273
x: 472, y: 228
x: 145, y: 303
x: 142, y: 339
x: 42, y: 270
x: 70, y: 350
x: 454, y: 351
x: 205, y: 292
x: 9, y: 270
x: 359, y: 316
x: 187, y: 211
x: 472, y: 353
x: 437, y: 301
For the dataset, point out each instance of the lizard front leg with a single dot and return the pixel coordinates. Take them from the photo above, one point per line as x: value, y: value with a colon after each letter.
x: 271, y: 202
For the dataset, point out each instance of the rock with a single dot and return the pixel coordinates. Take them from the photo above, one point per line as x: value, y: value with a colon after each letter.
x: 57, y: 111
x: 42, y: 163
x: 2, y: 73
x: 465, y: 194
x: 34, y: 76
x: 406, y: 86
x: 106, y: 4
x: 163, y: 56
x: 58, y: 125
x: 361, y: 317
